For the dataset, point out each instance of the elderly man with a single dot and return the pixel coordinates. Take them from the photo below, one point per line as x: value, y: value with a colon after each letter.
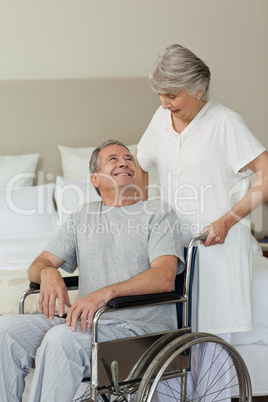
x: 122, y: 247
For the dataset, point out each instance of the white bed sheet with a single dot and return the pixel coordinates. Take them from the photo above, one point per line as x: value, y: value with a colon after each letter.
x: 17, y: 252
x: 259, y: 334
x: 253, y: 345
x: 256, y: 359
x: 16, y: 255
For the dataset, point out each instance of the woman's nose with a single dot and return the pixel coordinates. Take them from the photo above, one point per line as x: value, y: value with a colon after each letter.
x: 164, y: 101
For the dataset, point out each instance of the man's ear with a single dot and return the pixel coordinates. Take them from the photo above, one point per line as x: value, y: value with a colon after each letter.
x: 94, y: 180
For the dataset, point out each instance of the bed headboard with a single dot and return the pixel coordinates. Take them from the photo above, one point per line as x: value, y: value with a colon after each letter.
x: 39, y: 115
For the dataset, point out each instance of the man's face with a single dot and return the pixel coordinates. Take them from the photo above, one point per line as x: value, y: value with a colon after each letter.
x: 117, y: 168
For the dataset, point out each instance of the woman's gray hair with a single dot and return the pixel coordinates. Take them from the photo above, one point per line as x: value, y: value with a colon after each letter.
x: 94, y: 163
x: 177, y: 68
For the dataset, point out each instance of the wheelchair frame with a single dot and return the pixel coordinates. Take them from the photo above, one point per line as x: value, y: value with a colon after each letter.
x: 154, y: 358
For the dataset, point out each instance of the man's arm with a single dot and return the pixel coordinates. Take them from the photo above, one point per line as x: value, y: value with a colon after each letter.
x: 44, y: 270
x: 159, y: 278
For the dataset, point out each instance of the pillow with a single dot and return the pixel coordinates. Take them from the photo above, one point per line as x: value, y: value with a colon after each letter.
x: 27, y: 209
x: 19, y: 169
x: 69, y: 194
x: 75, y: 162
x: 75, y: 166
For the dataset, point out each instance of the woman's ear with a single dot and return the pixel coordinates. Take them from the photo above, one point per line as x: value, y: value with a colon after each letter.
x: 200, y: 93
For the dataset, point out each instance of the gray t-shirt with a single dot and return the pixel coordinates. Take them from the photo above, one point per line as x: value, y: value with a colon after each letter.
x: 111, y: 245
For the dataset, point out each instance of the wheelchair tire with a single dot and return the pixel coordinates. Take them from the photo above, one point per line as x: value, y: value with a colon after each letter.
x: 196, y: 367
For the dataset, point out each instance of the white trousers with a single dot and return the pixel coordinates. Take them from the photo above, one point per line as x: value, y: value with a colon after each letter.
x: 62, y: 357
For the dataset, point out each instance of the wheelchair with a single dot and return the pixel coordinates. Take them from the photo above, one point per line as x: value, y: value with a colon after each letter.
x: 170, y: 366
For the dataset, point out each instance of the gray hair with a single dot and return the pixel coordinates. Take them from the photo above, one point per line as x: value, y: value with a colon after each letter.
x: 94, y: 163
x: 177, y: 68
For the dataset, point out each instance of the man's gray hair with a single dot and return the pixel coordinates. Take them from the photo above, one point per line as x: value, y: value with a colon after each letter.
x: 94, y: 163
x: 177, y: 68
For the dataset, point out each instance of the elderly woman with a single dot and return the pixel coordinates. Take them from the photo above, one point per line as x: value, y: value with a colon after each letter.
x: 205, y: 155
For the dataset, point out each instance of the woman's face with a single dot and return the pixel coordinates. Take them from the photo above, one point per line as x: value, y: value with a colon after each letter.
x: 182, y: 105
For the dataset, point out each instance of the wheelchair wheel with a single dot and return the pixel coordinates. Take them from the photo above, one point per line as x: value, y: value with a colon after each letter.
x: 196, y: 368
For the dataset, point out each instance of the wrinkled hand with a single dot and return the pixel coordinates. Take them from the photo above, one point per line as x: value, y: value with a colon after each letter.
x: 217, y: 233
x: 52, y: 287
x: 84, y: 309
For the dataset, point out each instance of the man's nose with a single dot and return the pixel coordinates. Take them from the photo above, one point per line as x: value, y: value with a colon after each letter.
x: 123, y: 163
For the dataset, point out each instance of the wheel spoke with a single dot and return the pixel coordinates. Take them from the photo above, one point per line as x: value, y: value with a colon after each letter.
x: 216, y: 373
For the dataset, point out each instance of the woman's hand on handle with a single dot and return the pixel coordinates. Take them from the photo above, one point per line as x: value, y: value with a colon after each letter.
x: 217, y: 232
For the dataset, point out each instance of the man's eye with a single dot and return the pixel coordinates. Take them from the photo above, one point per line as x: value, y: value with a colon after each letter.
x: 171, y: 96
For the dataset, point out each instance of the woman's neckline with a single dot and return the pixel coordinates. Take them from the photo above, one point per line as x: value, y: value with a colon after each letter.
x: 197, y: 116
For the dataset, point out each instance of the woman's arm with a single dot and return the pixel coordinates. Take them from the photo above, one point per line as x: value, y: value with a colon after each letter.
x: 141, y: 181
x: 255, y: 197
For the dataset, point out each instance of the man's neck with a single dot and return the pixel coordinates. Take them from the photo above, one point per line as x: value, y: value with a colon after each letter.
x: 116, y: 201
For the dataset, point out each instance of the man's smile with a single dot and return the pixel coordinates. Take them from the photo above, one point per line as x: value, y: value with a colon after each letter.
x: 123, y: 174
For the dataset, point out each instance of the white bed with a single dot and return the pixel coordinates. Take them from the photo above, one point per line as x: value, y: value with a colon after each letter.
x: 28, y: 222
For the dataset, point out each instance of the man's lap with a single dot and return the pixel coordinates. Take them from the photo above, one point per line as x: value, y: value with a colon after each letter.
x: 32, y: 328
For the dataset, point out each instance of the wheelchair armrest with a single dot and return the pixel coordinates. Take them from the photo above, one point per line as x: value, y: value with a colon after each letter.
x: 143, y: 300
x: 34, y: 286
x: 70, y: 281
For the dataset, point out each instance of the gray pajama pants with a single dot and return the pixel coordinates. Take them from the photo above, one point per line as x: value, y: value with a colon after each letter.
x: 62, y: 357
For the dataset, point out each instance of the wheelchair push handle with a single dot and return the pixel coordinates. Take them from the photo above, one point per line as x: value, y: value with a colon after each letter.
x: 201, y: 237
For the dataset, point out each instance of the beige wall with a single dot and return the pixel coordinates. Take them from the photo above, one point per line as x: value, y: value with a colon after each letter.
x: 47, y: 39
x: 39, y: 115
x: 61, y: 39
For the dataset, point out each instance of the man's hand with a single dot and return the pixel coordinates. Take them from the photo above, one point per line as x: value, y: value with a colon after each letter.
x: 52, y: 287
x: 85, y: 308
x: 44, y: 271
